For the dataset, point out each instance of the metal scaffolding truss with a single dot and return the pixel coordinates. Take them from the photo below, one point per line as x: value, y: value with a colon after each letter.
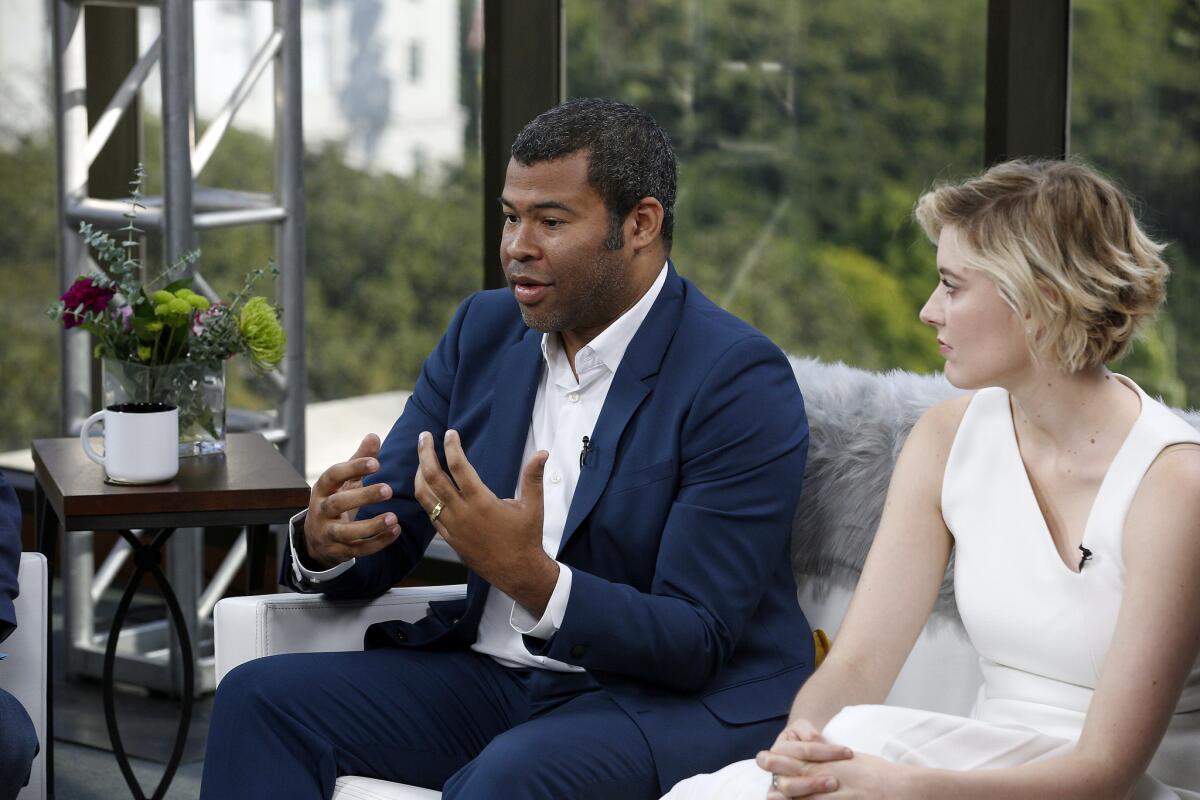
x: 176, y: 217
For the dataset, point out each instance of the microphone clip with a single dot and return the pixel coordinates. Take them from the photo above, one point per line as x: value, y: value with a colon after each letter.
x: 1087, y: 554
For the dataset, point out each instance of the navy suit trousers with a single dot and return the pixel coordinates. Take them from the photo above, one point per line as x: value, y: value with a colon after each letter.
x: 289, y: 725
x: 18, y: 746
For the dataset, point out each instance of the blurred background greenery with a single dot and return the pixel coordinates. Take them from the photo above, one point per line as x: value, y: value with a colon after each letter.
x: 805, y: 132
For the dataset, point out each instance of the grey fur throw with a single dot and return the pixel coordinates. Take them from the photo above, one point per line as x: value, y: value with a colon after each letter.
x: 858, y: 421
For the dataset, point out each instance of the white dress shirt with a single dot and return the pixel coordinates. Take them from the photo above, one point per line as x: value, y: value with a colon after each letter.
x: 564, y: 411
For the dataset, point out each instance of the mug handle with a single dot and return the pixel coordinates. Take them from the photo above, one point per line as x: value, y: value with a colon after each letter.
x: 86, y: 441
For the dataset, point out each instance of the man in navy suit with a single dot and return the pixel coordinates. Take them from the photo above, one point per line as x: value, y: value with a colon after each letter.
x: 18, y: 740
x: 616, y: 460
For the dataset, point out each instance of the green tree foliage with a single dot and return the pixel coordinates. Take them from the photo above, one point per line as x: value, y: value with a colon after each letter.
x: 1135, y: 113
x: 805, y: 133
x: 28, y: 282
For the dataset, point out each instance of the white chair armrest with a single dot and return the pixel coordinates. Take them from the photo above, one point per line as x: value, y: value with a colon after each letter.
x: 25, y: 672
x: 264, y: 625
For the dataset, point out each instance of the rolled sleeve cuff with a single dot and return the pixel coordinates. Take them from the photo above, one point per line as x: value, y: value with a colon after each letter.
x: 306, y: 577
x: 526, y: 624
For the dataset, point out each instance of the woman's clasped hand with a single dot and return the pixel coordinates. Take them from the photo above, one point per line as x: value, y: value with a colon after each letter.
x: 803, y: 764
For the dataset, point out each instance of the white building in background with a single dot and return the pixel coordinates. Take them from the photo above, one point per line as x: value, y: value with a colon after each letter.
x: 380, y: 76
x: 25, y: 61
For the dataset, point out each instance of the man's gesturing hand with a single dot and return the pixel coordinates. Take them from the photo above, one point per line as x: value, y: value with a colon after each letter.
x: 331, y: 534
x: 499, y: 539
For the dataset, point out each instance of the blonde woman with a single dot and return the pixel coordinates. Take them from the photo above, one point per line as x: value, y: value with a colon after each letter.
x: 1072, y: 502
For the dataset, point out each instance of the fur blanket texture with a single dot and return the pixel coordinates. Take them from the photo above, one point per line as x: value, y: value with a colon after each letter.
x: 858, y: 421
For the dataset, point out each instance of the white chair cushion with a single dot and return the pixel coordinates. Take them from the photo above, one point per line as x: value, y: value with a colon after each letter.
x: 356, y: 788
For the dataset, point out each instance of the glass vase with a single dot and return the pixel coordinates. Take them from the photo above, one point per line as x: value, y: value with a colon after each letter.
x: 197, y: 389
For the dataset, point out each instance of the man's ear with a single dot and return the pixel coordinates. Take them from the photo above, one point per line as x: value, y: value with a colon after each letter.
x: 644, y: 223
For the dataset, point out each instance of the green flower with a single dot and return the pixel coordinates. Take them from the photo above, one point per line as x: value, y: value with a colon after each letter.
x: 144, y: 353
x: 174, y: 311
x: 264, y: 337
x: 198, y: 302
x: 162, y: 296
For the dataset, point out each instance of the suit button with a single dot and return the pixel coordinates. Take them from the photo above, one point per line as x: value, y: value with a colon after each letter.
x: 455, y: 620
x: 401, y: 636
x: 577, y: 651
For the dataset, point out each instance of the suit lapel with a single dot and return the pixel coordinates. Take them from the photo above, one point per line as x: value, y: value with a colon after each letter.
x: 632, y: 383
x: 502, y: 446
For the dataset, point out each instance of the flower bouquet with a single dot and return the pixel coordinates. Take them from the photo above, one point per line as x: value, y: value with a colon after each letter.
x: 159, y: 340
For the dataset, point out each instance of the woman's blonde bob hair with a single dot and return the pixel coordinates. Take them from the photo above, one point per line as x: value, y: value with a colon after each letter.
x: 1064, y: 249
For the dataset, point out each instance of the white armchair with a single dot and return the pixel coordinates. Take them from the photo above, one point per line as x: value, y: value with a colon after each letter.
x: 266, y: 625
x: 25, y: 672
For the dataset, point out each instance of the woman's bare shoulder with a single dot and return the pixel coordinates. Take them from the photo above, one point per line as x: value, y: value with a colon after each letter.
x: 1166, y: 507
x: 923, y: 460
x: 937, y: 427
x: 1175, y: 473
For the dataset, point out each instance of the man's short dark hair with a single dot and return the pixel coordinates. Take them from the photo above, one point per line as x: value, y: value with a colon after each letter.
x: 629, y: 156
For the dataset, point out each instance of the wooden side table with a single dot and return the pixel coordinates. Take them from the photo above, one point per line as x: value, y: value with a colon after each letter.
x: 250, y: 485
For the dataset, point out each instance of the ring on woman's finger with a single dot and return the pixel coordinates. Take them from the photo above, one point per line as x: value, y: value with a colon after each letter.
x: 775, y: 782
x: 437, y: 511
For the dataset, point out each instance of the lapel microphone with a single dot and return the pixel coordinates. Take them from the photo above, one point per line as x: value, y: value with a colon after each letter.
x: 583, y: 454
x: 1087, y: 554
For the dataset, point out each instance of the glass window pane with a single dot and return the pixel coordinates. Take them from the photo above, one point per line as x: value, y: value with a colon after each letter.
x: 805, y: 132
x: 1135, y: 113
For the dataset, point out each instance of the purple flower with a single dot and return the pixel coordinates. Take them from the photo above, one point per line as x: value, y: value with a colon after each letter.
x: 204, y: 317
x: 84, y: 292
x: 125, y: 315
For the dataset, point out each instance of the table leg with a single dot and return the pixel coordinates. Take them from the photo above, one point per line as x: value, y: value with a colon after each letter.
x: 257, y: 538
x: 46, y: 531
x: 147, y: 558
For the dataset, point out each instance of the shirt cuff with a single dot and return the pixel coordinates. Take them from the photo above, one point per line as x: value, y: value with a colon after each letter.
x: 302, y: 574
x: 526, y: 624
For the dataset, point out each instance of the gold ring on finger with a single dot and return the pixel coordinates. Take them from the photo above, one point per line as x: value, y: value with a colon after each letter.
x: 437, y: 511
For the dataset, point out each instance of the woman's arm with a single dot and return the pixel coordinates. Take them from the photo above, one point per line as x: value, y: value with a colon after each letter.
x: 899, y: 582
x: 1154, y: 647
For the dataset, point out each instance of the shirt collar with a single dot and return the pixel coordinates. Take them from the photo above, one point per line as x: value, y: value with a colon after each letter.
x: 609, y: 346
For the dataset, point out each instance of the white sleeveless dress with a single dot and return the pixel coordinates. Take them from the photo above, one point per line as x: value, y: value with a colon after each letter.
x: 1041, y: 629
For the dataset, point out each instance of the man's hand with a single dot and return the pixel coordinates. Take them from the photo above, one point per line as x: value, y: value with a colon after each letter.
x: 499, y: 539
x: 331, y: 534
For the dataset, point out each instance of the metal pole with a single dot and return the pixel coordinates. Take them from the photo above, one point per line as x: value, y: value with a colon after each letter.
x: 289, y: 188
x: 185, y: 550
x: 71, y: 121
x: 178, y: 128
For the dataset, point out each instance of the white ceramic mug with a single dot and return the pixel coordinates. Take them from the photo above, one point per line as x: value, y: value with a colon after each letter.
x: 141, y: 442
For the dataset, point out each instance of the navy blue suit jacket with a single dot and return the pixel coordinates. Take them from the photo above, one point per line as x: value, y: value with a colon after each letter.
x: 682, y: 602
x: 10, y: 557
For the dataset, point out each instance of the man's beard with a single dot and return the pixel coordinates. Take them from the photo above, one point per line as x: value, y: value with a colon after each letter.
x: 601, y: 295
